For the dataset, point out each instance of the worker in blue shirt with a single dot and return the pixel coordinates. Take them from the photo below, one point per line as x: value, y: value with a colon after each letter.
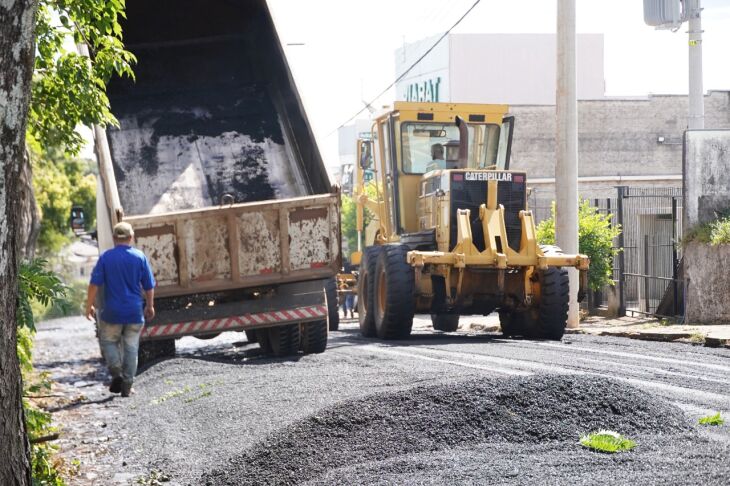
x: 126, y: 276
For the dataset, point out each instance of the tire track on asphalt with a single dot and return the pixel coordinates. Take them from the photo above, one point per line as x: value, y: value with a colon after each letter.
x: 512, y: 367
x: 623, y: 354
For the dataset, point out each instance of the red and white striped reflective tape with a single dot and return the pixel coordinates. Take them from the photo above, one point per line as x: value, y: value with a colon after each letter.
x: 233, y: 322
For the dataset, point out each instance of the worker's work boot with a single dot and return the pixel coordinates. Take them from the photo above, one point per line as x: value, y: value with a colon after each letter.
x: 116, y: 384
x: 126, y: 388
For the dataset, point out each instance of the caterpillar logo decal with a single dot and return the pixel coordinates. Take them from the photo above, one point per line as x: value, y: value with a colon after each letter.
x: 488, y: 176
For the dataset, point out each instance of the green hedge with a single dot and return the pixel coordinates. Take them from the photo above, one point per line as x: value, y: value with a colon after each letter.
x: 595, y: 239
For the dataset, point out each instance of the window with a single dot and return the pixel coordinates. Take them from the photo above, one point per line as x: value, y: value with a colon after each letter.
x: 429, y: 146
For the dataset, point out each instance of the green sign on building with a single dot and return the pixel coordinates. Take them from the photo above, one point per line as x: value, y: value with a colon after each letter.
x: 427, y: 91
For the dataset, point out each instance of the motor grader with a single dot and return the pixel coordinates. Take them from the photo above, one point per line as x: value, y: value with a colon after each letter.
x: 451, y: 233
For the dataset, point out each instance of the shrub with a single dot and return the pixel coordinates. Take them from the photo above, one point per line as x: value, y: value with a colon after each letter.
x: 714, y: 233
x: 595, y: 239
x: 37, y: 286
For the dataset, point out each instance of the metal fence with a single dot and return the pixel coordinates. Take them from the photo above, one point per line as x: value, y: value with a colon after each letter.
x: 649, y: 261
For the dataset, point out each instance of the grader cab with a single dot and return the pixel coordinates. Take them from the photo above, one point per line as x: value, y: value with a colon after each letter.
x: 453, y: 234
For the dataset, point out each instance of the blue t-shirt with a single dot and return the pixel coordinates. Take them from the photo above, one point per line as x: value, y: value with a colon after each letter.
x: 123, y: 271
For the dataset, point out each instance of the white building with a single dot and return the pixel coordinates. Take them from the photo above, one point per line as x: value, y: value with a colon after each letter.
x: 513, y: 69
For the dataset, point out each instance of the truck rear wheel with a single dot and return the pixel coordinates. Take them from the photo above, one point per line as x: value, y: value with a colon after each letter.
x: 284, y: 340
x: 333, y: 311
x: 393, y: 289
x: 208, y: 336
x: 150, y: 351
x: 262, y: 337
x: 365, y: 294
x: 445, y: 322
x: 314, y: 337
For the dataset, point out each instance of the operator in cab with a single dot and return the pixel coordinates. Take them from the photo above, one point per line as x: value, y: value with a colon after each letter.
x: 437, y: 156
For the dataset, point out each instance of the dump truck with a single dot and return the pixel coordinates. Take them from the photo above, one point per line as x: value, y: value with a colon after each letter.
x: 454, y: 235
x: 215, y: 165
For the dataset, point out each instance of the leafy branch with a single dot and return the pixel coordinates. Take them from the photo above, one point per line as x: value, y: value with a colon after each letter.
x: 69, y: 89
x: 40, y: 284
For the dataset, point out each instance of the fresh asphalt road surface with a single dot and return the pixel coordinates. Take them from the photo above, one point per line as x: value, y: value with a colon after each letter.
x: 203, y: 410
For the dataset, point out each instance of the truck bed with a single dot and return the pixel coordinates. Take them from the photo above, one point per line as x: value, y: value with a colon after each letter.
x: 241, y: 245
x: 213, y: 111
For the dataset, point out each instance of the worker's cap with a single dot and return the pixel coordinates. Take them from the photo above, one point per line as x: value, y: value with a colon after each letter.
x: 123, y: 231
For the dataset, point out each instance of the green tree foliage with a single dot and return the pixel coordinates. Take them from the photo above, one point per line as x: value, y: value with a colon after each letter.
x: 595, y: 239
x: 61, y: 182
x: 68, y: 88
x: 37, y: 284
x: 348, y: 218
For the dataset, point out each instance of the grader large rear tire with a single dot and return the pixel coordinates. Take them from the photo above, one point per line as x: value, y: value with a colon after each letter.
x: 445, y: 322
x: 393, y: 287
x: 365, y: 294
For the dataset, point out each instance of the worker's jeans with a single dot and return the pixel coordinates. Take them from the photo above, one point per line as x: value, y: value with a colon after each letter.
x: 119, y: 345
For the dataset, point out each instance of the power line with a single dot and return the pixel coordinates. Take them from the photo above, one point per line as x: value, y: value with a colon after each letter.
x: 403, y: 75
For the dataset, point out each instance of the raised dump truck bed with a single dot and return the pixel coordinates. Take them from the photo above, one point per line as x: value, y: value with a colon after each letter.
x: 215, y: 165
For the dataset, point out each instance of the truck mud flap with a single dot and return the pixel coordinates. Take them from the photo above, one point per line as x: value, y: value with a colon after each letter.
x: 235, y: 323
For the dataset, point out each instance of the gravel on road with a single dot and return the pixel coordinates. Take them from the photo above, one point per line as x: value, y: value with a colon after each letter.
x: 478, y: 430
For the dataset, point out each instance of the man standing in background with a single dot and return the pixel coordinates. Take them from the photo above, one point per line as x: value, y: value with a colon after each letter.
x: 127, y: 278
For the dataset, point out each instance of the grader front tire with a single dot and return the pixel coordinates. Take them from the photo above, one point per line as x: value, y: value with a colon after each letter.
x: 547, y: 319
x: 445, y: 322
x: 554, y: 301
x: 394, y: 293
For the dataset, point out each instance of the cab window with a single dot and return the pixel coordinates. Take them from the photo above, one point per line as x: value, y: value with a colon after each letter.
x: 432, y: 146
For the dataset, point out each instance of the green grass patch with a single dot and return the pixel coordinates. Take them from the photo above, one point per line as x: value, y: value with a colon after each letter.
x: 204, y: 389
x: 712, y: 420
x: 607, y: 441
x: 171, y: 394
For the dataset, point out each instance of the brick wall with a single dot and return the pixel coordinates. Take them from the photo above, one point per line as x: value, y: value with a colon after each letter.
x: 617, y: 137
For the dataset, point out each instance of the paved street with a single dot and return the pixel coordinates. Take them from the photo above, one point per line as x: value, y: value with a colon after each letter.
x: 201, y: 417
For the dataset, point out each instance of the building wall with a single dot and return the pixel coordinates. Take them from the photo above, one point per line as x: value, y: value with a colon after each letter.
x: 618, y: 139
x: 434, y: 68
x: 496, y: 68
x: 519, y: 68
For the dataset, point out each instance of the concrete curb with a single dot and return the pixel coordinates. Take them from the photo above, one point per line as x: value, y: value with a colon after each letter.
x: 706, y: 335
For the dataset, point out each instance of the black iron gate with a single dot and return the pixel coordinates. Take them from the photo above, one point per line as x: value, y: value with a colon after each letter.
x: 647, y: 265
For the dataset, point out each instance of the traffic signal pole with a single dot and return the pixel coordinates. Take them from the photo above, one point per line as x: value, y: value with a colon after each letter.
x: 566, y: 162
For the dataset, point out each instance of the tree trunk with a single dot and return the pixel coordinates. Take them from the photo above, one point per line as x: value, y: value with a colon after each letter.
x: 30, y: 221
x: 17, y: 21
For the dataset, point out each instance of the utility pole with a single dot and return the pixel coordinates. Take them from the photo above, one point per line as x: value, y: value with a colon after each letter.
x: 696, y: 91
x: 566, y: 160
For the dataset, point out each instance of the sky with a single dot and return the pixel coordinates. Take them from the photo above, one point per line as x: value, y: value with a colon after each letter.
x: 342, y: 51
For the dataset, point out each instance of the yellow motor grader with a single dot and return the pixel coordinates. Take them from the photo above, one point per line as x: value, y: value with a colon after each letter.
x: 452, y: 232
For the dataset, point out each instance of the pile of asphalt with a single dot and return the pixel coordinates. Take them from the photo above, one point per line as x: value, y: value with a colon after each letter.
x: 418, y: 430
